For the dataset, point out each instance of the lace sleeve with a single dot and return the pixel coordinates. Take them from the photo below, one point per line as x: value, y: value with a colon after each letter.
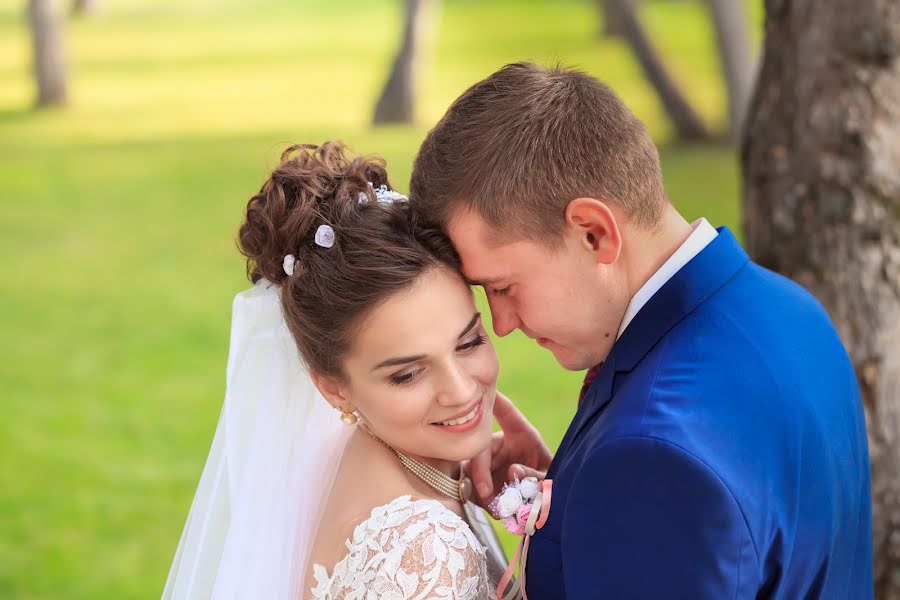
x: 408, y: 550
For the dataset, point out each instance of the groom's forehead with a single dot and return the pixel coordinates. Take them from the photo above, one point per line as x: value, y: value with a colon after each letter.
x: 467, y: 228
x: 489, y: 255
x: 489, y: 267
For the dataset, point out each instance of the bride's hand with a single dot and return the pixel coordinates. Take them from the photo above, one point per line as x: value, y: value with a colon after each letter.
x: 516, y: 451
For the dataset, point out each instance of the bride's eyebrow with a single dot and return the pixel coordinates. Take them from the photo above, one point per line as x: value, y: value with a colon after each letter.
x: 393, y: 362
x: 471, y: 324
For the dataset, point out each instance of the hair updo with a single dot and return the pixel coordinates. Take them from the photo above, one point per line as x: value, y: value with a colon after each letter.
x: 379, y: 249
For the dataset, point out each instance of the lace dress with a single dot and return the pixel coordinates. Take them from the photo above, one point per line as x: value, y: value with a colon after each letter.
x: 409, y: 550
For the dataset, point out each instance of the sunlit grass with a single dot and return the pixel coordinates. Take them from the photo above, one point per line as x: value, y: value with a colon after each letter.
x: 117, y: 236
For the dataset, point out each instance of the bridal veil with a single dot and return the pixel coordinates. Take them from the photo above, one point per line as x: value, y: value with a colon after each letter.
x: 273, y: 460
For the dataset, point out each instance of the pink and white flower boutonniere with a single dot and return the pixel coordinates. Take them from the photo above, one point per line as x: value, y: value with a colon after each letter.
x: 513, y: 504
x: 524, y: 507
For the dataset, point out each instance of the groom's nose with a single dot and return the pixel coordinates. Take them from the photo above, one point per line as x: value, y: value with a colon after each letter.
x: 503, y: 317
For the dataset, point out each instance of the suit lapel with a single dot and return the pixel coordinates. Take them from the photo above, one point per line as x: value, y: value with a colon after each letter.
x: 596, y: 397
x: 702, y: 277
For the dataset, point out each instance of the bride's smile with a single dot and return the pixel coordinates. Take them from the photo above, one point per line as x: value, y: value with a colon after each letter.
x: 469, y: 420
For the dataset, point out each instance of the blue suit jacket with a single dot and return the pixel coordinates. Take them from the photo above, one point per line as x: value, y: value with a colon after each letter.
x: 719, y: 454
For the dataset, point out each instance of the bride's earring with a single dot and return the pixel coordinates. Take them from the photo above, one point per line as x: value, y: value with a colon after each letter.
x: 348, y: 418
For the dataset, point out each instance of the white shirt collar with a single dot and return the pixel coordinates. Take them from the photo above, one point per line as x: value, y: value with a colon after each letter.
x: 703, y: 234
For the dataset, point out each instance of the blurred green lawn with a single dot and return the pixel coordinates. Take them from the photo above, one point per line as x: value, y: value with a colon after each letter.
x: 119, y: 215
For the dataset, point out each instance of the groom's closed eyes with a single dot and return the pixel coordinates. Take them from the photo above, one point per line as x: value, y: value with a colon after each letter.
x: 489, y: 285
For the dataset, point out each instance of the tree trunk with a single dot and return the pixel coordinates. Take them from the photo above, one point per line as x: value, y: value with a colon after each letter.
x: 735, y: 58
x: 396, y: 103
x: 688, y: 124
x: 821, y: 163
x: 49, y: 65
x: 610, y: 21
x: 84, y: 7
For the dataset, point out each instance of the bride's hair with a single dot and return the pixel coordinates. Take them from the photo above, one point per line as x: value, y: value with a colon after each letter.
x: 379, y: 248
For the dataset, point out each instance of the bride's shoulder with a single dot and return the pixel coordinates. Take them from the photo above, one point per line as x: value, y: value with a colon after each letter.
x: 431, y: 536
x: 410, y: 515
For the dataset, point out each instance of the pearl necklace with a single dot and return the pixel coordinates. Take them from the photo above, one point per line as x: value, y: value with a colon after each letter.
x: 457, y: 489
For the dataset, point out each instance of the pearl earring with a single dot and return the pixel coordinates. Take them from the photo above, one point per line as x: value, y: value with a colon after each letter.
x: 348, y: 418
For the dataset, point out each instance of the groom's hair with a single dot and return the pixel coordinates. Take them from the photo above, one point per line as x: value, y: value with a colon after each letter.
x: 520, y: 145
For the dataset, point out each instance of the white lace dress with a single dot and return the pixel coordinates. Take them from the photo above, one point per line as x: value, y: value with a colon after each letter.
x: 409, y: 550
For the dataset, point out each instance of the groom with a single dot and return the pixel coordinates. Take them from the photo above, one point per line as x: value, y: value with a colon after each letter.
x: 718, y: 450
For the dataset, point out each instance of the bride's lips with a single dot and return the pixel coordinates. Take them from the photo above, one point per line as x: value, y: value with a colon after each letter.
x: 468, y: 425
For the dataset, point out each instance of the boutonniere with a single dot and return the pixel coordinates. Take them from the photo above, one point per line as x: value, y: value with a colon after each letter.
x: 524, y: 507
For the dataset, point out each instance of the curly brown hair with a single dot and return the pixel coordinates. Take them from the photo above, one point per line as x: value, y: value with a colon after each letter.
x: 379, y: 249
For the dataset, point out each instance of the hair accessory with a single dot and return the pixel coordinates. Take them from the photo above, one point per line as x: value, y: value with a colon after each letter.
x: 383, y: 195
x: 325, y: 236
x: 288, y: 264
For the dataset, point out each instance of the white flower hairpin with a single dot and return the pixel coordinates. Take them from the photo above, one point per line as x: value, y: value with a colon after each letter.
x: 288, y: 264
x: 383, y: 195
x: 325, y: 236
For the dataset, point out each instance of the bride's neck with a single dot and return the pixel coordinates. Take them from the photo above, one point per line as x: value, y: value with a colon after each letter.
x: 449, y: 468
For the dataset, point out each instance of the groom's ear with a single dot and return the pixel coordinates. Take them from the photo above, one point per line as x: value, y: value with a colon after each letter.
x: 595, y: 227
x: 333, y: 391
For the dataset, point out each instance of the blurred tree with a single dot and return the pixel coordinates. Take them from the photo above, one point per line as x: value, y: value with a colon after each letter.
x: 821, y: 163
x: 49, y: 63
x: 397, y: 99
x: 610, y: 25
x: 735, y: 58
x: 688, y: 125
x: 84, y: 7
x: 610, y: 21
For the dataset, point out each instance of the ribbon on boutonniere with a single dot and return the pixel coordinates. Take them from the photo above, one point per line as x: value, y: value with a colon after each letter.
x: 524, y: 507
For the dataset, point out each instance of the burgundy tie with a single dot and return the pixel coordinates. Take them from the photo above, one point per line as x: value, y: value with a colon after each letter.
x: 588, y: 380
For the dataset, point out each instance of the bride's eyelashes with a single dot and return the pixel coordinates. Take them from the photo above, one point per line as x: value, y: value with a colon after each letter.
x: 407, y: 377
x: 404, y: 378
x: 478, y: 341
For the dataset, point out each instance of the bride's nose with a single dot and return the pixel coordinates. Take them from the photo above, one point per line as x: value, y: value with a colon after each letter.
x: 456, y: 387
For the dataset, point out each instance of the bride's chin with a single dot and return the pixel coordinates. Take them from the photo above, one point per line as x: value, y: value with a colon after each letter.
x: 467, y: 449
x: 480, y: 442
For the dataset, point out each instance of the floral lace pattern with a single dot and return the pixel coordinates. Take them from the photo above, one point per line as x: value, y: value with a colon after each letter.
x: 408, y: 550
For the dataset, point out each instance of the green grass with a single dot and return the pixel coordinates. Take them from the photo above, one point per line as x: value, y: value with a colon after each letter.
x: 118, y: 222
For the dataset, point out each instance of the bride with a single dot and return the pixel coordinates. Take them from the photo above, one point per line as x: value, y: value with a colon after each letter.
x: 335, y: 473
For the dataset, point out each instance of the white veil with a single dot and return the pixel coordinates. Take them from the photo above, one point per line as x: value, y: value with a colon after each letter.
x: 271, y: 466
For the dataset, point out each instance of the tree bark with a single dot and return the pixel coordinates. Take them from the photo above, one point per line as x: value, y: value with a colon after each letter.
x: 735, y: 58
x: 610, y: 25
x: 821, y: 162
x: 609, y: 19
x: 688, y: 125
x: 84, y: 7
x: 49, y: 64
x: 397, y: 100
x: 610, y: 22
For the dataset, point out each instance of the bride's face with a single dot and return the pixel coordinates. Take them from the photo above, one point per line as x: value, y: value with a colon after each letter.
x: 423, y: 372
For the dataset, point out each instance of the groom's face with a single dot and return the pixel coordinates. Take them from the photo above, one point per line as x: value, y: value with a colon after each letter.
x: 563, y: 299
